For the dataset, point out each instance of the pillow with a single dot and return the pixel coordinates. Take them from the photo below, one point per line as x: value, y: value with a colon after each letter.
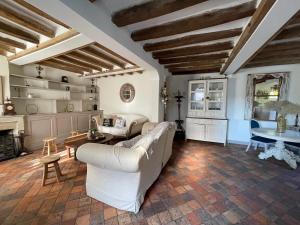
x: 119, y: 123
x: 129, y: 143
x: 108, y: 122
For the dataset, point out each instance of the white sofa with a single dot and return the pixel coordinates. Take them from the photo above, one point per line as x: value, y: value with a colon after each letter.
x: 133, y: 125
x: 120, y: 176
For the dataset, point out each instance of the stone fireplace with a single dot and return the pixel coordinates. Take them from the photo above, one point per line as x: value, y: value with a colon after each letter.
x: 10, y: 126
x: 7, y: 145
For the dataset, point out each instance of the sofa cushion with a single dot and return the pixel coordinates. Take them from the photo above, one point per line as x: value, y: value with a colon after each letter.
x: 120, y: 122
x: 129, y: 143
x: 108, y: 122
x: 113, y: 130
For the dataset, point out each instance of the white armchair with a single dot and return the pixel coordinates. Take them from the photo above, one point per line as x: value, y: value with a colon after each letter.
x: 120, y: 176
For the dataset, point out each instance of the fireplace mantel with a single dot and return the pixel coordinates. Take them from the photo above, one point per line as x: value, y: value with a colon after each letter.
x: 15, y: 123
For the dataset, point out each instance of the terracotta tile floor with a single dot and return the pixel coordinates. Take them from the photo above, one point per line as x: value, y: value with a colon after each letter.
x: 202, y: 184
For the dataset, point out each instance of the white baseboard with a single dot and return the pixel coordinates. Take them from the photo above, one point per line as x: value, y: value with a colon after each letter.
x: 237, y: 142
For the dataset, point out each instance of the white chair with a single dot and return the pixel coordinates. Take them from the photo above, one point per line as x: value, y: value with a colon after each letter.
x: 256, y: 140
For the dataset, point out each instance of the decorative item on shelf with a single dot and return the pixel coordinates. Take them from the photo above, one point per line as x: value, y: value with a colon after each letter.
x: 32, y: 109
x: 91, y: 98
x: 9, y: 108
x: 164, y: 98
x: 127, y: 92
x: 69, y: 107
x: 27, y: 84
x: 29, y: 95
x: 67, y: 88
x: 39, y: 70
x: 93, y: 86
x: 282, y: 108
x: 95, y: 107
x: 89, y: 107
x: 64, y: 79
x: 180, y: 132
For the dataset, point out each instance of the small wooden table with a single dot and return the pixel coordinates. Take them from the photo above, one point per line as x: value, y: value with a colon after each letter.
x: 78, y: 140
x: 279, y: 151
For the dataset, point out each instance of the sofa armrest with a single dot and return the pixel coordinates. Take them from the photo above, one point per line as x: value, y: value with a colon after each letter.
x: 110, y: 157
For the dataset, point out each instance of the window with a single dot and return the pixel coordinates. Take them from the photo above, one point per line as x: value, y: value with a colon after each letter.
x: 262, y: 88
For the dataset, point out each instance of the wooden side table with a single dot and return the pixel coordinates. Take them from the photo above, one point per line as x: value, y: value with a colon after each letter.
x: 46, y: 161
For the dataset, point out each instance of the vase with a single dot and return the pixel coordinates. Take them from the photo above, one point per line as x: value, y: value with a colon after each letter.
x: 281, y: 123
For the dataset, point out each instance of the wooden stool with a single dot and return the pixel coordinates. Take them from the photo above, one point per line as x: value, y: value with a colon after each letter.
x: 52, y: 159
x: 48, y: 143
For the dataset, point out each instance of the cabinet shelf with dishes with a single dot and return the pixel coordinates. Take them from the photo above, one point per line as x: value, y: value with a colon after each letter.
x: 32, y: 95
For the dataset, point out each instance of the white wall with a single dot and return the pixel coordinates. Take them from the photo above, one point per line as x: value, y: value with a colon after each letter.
x: 146, y: 101
x: 238, y: 130
x: 4, y: 73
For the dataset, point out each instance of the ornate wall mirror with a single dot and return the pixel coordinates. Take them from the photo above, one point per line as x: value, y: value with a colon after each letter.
x: 127, y: 92
x: 262, y: 88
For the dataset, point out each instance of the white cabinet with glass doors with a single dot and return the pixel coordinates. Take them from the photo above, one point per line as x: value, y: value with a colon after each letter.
x: 207, y: 98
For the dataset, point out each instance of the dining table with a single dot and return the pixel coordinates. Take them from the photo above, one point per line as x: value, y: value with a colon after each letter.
x: 279, y: 151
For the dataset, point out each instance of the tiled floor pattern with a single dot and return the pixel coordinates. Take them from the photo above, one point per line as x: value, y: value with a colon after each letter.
x: 202, y: 184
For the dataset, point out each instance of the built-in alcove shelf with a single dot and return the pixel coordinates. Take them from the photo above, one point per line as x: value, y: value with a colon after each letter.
x: 50, y: 96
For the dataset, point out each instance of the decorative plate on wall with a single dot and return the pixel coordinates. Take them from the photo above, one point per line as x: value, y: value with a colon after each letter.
x: 127, y: 92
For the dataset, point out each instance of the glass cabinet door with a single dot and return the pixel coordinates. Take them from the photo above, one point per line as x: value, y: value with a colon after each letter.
x: 215, y: 97
x: 197, y: 96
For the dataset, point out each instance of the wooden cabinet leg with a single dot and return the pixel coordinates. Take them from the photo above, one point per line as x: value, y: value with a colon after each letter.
x: 45, y: 174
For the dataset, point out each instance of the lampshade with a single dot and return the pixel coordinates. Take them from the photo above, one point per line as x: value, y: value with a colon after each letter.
x: 283, y: 107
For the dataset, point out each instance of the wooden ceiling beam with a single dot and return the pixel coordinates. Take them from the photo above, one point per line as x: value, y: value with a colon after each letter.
x: 12, y: 43
x: 210, y: 70
x: 209, y: 19
x: 278, y: 53
x: 197, y: 63
x: 46, y: 44
x: 289, y: 33
x: 67, y: 64
x: 192, y: 39
x: 120, y: 58
x: 25, y: 21
x: 78, y: 62
x: 7, y: 48
x: 276, y: 58
x: 283, y: 46
x: 194, y: 58
x: 258, y: 16
x: 186, y: 69
x: 59, y: 66
x: 150, y: 10
x: 40, y: 12
x: 79, y: 54
x: 295, y: 19
x: 273, y: 63
x: 199, y: 49
x: 18, y: 33
x: 102, y: 56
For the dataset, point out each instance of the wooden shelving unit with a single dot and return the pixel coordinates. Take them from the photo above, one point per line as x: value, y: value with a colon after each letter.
x: 51, y: 96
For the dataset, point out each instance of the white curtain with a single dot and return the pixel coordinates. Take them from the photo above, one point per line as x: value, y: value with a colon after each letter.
x: 250, y: 89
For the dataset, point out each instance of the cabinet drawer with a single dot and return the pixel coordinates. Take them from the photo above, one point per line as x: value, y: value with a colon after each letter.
x: 195, y: 131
